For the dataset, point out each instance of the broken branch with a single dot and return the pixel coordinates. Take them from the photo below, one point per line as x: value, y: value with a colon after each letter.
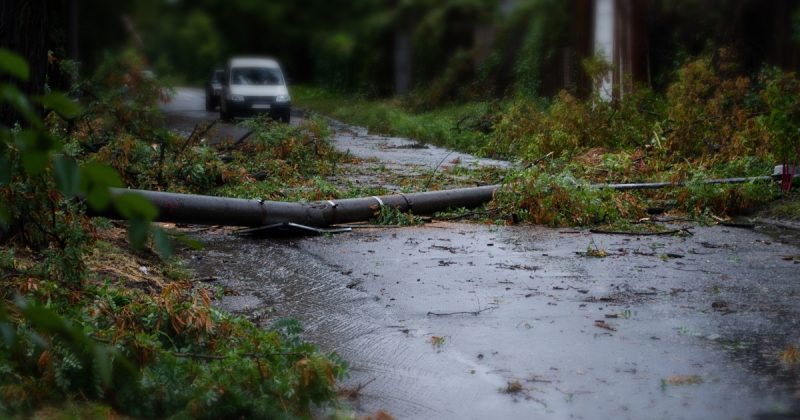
x: 474, y: 313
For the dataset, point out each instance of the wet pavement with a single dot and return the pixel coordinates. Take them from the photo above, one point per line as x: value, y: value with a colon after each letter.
x: 452, y: 320
x: 675, y: 327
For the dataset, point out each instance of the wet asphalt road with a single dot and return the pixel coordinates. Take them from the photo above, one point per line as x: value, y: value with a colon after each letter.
x: 440, y: 319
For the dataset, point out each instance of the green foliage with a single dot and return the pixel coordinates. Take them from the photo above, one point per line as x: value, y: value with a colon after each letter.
x: 284, y: 162
x: 170, y: 354
x: 388, y: 215
x: 698, y: 197
x: 782, y: 97
x: 543, y: 25
x: 461, y: 126
x: 568, y: 125
x: 161, y: 354
x: 38, y: 173
x: 711, y: 114
x: 559, y: 199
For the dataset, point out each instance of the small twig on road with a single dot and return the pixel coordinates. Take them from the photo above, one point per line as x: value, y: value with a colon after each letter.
x: 352, y: 393
x: 238, y: 142
x: 205, y: 279
x: 219, y: 357
x: 465, y: 215
x: 195, y: 133
x: 738, y: 225
x: 428, y: 184
x: 474, y: 313
x: 620, y: 232
x: 537, y: 161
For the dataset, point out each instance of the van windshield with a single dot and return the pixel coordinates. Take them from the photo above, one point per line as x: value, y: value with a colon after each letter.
x: 256, y: 76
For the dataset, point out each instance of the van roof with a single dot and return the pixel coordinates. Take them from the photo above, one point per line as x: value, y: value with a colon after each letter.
x: 253, y: 62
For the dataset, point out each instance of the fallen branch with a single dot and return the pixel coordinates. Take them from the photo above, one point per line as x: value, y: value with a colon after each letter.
x: 620, y: 232
x: 473, y: 313
x: 205, y: 279
x: 195, y: 133
x: 433, y: 174
x: 219, y: 357
x: 537, y: 161
x: 465, y: 215
x: 241, y: 139
x: 738, y: 225
x: 352, y: 393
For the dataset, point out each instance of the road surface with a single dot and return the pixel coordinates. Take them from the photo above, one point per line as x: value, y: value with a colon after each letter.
x: 462, y: 321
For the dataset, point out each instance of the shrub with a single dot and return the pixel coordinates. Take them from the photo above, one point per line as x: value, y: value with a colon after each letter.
x: 709, y: 113
x: 562, y: 200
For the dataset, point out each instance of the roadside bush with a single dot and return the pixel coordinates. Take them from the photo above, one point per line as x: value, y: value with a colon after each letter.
x: 72, y: 332
x: 698, y: 198
x: 562, y: 200
x: 568, y: 125
x: 169, y: 354
x: 711, y: 111
x: 781, y: 94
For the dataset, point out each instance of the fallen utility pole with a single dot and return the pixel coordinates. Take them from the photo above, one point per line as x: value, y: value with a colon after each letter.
x: 209, y: 210
x: 657, y: 185
x: 776, y: 176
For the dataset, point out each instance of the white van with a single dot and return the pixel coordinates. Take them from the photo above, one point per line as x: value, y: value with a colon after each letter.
x: 254, y: 85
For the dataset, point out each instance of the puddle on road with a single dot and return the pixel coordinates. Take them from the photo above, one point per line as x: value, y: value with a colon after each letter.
x: 381, y: 299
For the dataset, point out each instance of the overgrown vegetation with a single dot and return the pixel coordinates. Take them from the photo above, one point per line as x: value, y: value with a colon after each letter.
x: 86, y: 316
x: 457, y: 126
x: 711, y: 122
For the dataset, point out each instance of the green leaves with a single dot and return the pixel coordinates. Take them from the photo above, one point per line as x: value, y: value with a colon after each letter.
x: 61, y: 105
x: 67, y: 175
x: 14, y: 65
x: 138, y: 229
x: 96, y: 179
x: 132, y: 205
x: 35, y: 147
x: 49, y: 329
x: 139, y: 212
x: 11, y: 95
x: 162, y: 243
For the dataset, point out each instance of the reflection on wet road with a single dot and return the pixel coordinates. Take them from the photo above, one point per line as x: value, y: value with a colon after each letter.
x: 443, y: 318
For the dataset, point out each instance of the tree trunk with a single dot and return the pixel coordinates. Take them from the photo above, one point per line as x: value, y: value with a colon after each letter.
x: 23, y: 29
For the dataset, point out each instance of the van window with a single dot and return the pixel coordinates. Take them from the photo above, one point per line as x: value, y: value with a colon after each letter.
x: 256, y: 76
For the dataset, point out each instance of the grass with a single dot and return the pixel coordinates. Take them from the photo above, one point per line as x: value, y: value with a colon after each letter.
x: 555, y: 190
x: 788, y: 208
x: 451, y: 126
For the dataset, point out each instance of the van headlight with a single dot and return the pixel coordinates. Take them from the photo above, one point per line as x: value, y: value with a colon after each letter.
x: 282, y: 98
x: 236, y: 98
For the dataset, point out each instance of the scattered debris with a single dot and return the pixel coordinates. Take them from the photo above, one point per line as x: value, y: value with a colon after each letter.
x: 437, y: 341
x: 380, y: 415
x: 791, y: 356
x: 208, y: 279
x: 599, y: 323
x: 474, y: 313
x: 722, y: 306
x: 672, y: 255
x: 514, y: 387
x: 354, y: 392
x: 626, y: 314
x: 354, y: 283
x: 678, y: 380
x: 517, y: 267
x: 681, y: 231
